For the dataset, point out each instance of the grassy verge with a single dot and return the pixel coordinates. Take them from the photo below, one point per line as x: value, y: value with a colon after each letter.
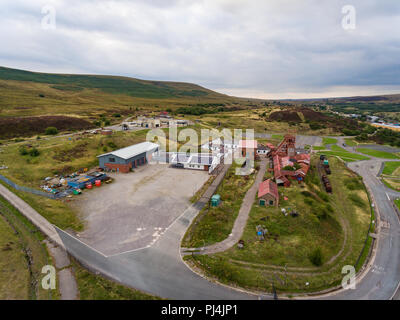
x: 351, y: 142
x: 377, y: 153
x: 391, y: 184
x: 22, y: 257
x: 56, y: 212
x: 390, y: 167
x: 326, y: 141
x: 93, y: 287
x: 345, y: 156
x: 215, y: 224
x: 397, y: 203
x: 277, y: 137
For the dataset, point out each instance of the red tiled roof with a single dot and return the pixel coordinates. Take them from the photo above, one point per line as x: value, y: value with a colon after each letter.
x: 268, y: 187
x: 302, y: 156
x: 277, y: 167
x: 250, y: 144
x: 304, y: 169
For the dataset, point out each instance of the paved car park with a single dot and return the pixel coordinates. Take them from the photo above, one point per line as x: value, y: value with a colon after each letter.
x: 135, y: 210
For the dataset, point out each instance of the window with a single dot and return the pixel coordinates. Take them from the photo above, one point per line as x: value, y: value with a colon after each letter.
x: 271, y: 203
x: 111, y: 159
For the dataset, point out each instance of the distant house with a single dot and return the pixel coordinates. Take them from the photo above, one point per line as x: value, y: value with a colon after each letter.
x: 248, y: 148
x: 125, y: 159
x: 268, y: 194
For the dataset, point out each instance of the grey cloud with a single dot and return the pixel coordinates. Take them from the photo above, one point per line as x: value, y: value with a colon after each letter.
x: 263, y: 48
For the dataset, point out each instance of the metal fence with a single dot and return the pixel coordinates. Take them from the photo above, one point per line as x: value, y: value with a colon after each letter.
x: 30, y: 190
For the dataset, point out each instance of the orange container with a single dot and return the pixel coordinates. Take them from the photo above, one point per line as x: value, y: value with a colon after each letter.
x: 98, y: 183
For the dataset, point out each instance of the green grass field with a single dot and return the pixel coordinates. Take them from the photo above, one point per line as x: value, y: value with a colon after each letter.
x: 277, y: 137
x: 337, y: 148
x: 345, y: 156
x: 390, y: 167
x: 351, y: 142
x: 377, y: 154
x: 326, y: 141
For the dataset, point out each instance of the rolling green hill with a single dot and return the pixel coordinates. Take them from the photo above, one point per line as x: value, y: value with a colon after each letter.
x: 25, y: 93
x: 110, y: 84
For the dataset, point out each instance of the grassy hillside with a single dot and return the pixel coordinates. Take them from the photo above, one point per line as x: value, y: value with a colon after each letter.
x: 110, y: 84
x: 24, y: 93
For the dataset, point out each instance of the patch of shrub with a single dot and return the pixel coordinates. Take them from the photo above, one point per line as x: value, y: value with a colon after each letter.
x: 323, y: 196
x: 51, y: 131
x: 112, y: 145
x: 315, y: 126
x: 23, y: 151
x: 308, y: 201
x: 289, y: 168
x: 34, y: 152
x: 316, y: 257
x: 356, y: 199
x: 353, y: 184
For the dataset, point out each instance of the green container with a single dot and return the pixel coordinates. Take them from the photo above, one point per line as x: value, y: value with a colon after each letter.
x: 215, y: 200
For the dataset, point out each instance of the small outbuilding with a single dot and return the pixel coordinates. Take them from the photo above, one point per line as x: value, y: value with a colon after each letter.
x: 268, y: 194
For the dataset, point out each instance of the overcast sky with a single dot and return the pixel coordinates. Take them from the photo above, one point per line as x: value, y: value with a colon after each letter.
x: 253, y: 48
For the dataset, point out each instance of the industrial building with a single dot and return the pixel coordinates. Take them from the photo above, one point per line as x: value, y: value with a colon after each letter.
x: 195, y: 161
x: 154, y: 123
x: 288, y: 164
x: 125, y: 159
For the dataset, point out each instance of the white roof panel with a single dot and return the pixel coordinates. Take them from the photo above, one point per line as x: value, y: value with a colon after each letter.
x: 132, y: 151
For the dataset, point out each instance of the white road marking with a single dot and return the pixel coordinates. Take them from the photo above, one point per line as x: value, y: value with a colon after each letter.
x: 387, y: 196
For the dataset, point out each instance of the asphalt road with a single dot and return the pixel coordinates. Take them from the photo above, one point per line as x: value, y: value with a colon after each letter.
x: 382, y: 280
x: 159, y: 270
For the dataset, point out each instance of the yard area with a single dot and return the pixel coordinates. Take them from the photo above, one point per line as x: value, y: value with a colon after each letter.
x: 391, y: 175
x: 378, y: 153
x: 134, y: 210
x: 303, y: 253
x: 215, y: 224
